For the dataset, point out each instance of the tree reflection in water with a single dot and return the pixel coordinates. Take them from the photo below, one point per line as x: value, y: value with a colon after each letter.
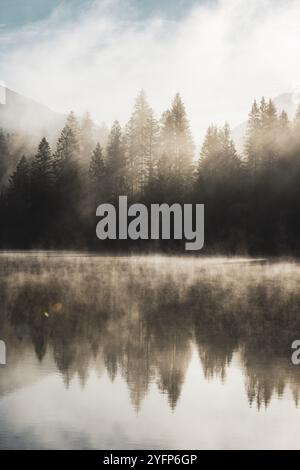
x: 140, y: 316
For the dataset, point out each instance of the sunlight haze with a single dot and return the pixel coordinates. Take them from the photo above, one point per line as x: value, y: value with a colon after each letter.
x: 219, y: 55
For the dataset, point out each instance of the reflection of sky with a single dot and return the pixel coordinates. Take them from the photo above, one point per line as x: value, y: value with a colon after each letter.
x: 208, y: 415
x: 14, y: 13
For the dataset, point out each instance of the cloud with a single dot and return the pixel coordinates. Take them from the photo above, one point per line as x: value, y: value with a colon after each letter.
x: 220, y: 56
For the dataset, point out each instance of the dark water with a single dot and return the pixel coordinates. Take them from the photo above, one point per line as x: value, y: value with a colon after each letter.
x: 148, y: 352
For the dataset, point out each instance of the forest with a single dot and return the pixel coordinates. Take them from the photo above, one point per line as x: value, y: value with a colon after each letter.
x: 252, y: 198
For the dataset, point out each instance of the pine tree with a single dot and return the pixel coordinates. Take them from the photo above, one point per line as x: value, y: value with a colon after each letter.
x: 269, y: 136
x: 269, y: 116
x: 19, y: 181
x: 211, y: 151
x: 261, y: 148
x: 296, y: 131
x: 73, y: 124
x: 297, y: 116
x: 141, y: 144
x: 42, y: 166
x: 115, y: 162
x: 253, y: 137
x: 42, y: 193
x: 4, y: 156
x: 283, y: 120
x: 86, y: 136
x: 18, y: 225
x: 67, y: 188
x: 176, y: 144
x: 97, y: 173
x: 263, y: 112
x: 97, y: 167
x: 67, y: 152
x: 218, y: 157
x: 102, y: 134
x: 232, y: 160
x: 283, y: 135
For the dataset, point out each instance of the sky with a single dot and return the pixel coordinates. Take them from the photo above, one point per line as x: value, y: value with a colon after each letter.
x: 95, y: 55
x: 15, y: 13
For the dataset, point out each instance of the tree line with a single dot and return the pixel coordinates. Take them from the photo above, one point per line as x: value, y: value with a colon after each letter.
x: 251, y: 199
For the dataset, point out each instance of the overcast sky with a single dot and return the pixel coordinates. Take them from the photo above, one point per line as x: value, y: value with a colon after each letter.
x: 97, y: 54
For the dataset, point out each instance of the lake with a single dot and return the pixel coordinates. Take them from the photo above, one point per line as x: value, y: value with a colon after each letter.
x: 148, y: 352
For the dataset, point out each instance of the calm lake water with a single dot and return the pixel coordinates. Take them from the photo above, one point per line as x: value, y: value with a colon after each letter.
x: 148, y: 352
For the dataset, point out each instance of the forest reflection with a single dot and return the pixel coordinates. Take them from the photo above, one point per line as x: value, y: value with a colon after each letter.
x: 140, y: 317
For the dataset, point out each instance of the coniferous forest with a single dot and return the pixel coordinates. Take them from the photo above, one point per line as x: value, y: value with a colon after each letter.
x: 252, y: 199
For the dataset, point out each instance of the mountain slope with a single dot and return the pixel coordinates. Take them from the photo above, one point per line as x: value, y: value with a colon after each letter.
x: 20, y: 114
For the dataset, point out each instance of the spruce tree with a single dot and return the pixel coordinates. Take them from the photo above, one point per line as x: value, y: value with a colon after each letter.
x: 73, y: 123
x: 176, y: 143
x: 20, y: 179
x: 18, y: 221
x: 41, y: 193
x: 67, y: 188
x: 86, y: 136
x: 4, y: 156
x: 141, y: 144
x: 297, y: 116
x: 42, y: 166
x: 97, y: 173
x: 269, y: 136
x: 218, y: 157
x: 253, y: 137
x: 283, y: 120
x: 116, y: 163
x: 67, y: 153
x: 296, y: 132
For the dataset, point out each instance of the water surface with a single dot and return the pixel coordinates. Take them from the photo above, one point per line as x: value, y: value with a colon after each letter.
x: 148, y: 352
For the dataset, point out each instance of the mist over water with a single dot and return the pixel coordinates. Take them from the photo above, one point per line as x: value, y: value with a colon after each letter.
x: 148, y: 352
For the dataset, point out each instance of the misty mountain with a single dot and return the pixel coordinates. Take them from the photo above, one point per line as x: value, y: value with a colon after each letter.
x: 19, y: 114
x: 286, y: 101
